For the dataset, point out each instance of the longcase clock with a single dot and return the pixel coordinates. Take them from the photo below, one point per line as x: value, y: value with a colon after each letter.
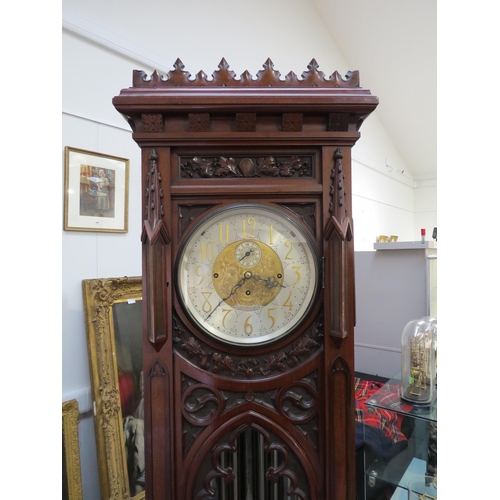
x: 248, y: 281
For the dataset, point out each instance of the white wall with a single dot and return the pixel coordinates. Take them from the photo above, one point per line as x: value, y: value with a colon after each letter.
x: 386, y: 199
x: 153, y: 34
x: 381, y: 206
x: 426, y: 208
x: 88, y: 76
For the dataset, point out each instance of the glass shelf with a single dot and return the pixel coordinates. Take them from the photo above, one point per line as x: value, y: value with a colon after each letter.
x: 387, y: 398
x: 391, y: 475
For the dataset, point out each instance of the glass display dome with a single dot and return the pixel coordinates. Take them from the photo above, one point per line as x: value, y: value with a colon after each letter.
x: 418, y: 361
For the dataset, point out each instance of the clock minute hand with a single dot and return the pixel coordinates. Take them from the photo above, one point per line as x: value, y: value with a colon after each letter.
x: 233, y: 291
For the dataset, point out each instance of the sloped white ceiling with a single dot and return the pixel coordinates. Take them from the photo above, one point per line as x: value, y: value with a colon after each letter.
x: 393, y: 44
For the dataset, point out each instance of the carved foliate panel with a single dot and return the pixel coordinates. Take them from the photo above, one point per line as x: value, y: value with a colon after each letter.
x: 247, y: 367
x: 245, y: 167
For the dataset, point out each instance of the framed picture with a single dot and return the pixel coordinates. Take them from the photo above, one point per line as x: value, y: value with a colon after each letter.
x: 71, y: 473
x: 95, y: 192
x: 113, y: 318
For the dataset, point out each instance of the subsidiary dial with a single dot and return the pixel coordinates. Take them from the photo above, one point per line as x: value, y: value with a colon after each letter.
x: 248, y: 253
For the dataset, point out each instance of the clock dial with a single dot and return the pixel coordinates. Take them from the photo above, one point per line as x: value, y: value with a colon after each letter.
x: 247, y: 274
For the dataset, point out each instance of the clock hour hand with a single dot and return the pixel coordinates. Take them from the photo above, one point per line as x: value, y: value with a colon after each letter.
x: 233, y: 291
x: 270, y: 282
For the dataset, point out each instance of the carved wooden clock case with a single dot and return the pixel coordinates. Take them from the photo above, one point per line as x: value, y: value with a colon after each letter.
x: 248, y: 281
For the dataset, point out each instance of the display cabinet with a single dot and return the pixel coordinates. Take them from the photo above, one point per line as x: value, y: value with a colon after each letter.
x: 386, y: 475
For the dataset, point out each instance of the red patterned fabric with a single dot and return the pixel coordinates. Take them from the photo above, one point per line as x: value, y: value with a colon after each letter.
x: 387, y: 421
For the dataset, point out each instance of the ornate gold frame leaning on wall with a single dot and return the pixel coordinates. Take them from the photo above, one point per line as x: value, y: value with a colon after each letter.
x: 113, y: 318
x: 72, y: 476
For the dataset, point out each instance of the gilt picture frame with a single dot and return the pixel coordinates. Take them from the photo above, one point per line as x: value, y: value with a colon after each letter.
x: 113, y: 317
x: 71, y: 471
x: 96, y: 190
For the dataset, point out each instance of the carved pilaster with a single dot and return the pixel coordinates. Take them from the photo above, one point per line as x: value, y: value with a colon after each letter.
x: 158, y: 398
x: 155, y: 236
x: 341, y: 409
x: 339, y: 234
x: 154, y: 227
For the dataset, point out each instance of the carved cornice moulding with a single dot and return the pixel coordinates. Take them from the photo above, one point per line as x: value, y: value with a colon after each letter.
x: 312, y: 86
x: 247, y: 106
x: 225, y: 77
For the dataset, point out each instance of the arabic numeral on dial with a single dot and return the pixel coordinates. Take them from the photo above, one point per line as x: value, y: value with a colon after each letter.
x: 224, y: 234
x: 207, y: 251
x: 287, y: 302
x: 289, y: 244
x: 251, y: 223
x: 248, y: 326
x: 206, y: 306
x: 200, y: 272
x: 270, y: 316
x: 225, y: 313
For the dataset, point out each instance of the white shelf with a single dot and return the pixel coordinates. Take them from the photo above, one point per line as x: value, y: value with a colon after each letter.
x: 404, y: 245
